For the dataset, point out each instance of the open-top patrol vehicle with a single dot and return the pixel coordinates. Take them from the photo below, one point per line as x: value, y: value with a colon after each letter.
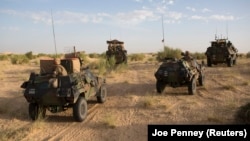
x: 178, y: 73
x: 70, y: 91
x: 116, y: 49
x: 221, y: 51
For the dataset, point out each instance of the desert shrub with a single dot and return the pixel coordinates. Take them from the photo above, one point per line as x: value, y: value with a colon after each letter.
x: 137, y: 57
x: 248, y: 54
x: 111, y: 63
x: 93, y: 65
x: 4, y: 57
x: 151, y: 59
x: 41, y: 55
x: 103, y: 55
x: 102, y: 67
x: 19, y: 59
x: 55, y: 55
x: 199, y: 55
x: 94, y: 55
x: 29, y: 55
x: 83, y: 56
x: 109, y: 120
x: 121, y: 68
x: 169, y: 53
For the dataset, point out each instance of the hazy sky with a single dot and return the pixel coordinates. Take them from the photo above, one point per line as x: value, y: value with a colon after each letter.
x: 25, y: 25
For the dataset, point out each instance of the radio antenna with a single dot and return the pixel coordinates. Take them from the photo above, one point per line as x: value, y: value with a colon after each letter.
x: 162, y: 31
x: 227, y: 30
x: 53, y: 32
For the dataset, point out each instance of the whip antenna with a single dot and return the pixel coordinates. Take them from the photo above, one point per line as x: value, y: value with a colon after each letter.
x: 162, y: 31
x: 227, y: 30
x: 53, y: 32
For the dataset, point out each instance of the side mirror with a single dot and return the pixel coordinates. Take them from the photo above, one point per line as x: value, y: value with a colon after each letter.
x: 24, y: 85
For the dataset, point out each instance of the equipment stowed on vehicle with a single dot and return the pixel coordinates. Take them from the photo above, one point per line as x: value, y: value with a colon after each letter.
x: 116, y: 49
x: 178, y: 73
x: 70, y: 91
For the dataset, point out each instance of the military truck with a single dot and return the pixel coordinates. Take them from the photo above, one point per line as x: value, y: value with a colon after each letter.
x: 116, y: 49
x: 180, y: 73
x: 70, y: 91
x: 221, y: 51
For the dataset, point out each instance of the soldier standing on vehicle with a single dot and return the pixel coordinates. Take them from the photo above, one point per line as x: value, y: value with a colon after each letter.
x: 187, y: 56
x: 59, y: 70
x: 191, y: 61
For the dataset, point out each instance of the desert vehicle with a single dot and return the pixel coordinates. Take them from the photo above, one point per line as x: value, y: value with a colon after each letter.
x: 221, y: 51
x: 70, y: 91
x: 116, y: 49
x: 178, y: 73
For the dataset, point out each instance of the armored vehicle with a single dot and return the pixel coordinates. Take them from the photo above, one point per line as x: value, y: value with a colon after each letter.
x: 178, y: 73
x: 44, y: 92
x: 116, y: 49
x: 221, y: 51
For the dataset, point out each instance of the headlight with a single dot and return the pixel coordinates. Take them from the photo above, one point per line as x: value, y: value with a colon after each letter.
x: 32, y: 91
x: 165, y: 73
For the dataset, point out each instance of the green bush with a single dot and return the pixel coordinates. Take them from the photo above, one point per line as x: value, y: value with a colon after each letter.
x: 42, y: 55
x: 4, y: 57
x: 29, y: 55
x: 19, y: 59
x: 111, y: 63
x: 83, y: 56
x: 199, y: 56
x: 169, y: 53
x: 94, y: 55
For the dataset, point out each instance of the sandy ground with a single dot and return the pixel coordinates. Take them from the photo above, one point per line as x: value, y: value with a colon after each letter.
x: 131, y: 105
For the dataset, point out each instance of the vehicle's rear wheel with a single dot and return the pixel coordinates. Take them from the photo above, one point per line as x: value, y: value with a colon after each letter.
x: 102, y: 94
x: 192, y: 86
x: 160, y: 86
x: 229, y: 62
x: 36, y: 111
x: 80, y: 109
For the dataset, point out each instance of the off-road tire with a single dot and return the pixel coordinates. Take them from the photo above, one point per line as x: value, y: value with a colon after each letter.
x: 209, y: 63
x: 192, y: 87
x: 229, y: 62
x: 102, y: 94
x: 234, y: 61
x: 36, y: 111
x: 80, y: 109
x: 160, y: 86
x: 201, y: 79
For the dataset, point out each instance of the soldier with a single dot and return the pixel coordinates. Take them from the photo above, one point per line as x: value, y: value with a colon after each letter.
x: 187, y: 56
x: 191, y: 61
x: 59, y: 70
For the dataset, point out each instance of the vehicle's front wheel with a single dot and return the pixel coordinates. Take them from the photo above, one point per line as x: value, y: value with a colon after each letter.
x: 192, y: 86
x: 102, y: 94
x: 80, y: 109
x: 209, y: 63
x: 201, y: 79
x: 235, y: 61
x: 160, y: 86
x: 36, y: 111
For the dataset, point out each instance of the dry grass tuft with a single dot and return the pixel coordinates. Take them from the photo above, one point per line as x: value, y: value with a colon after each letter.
x: 148, y: 101
x: 109, y: 121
